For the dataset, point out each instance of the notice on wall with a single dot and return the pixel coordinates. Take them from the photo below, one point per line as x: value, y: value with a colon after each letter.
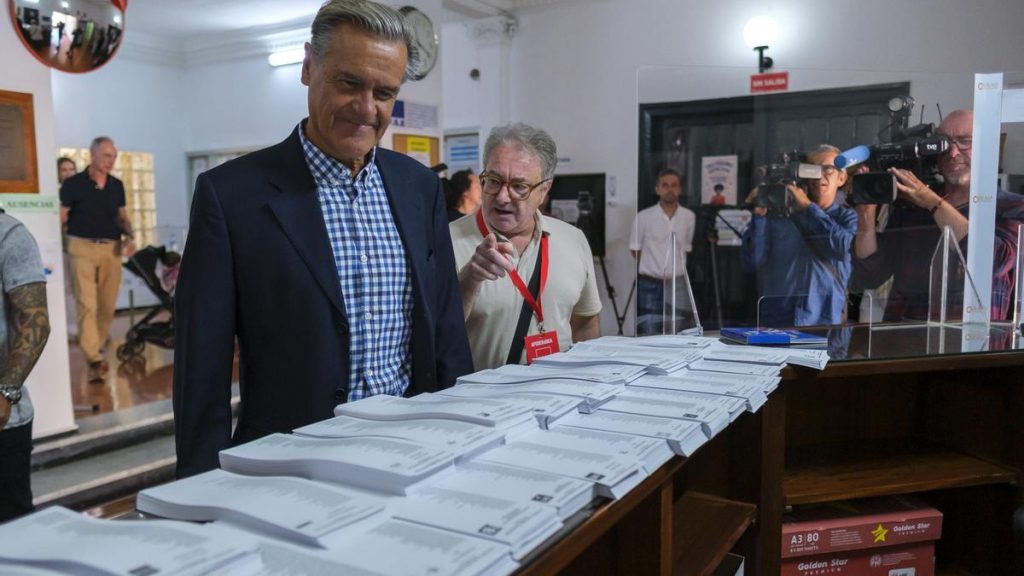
x: 419, y: 147
x: 413, y: 115
x: 718, y: 180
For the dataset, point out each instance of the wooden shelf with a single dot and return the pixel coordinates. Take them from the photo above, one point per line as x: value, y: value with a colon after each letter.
x: 705, y: 530
x: 826, y: 475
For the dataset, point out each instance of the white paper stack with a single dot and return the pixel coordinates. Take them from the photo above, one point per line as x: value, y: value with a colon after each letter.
x: 516, y: 373
x: 669, y: 341
x: 295, y: 509
x: 482, y: 411
x: 546, y: 408
x: 654, y: 360
x: 70, y: 543
x: 588, y: 395
x: 729, y: 404
x: 751, y: 394
x: 613, y: 476
x: 283, y: 559
x: 816, y: 359
x: 748, y: 354
x: 730, y: 367
x: 520, y: 526
x: 565, y: 495
x: 464, y: 439
x: 712, y: 419
x: 768, y: 384
x: 379, y: 464
x: 397, y: 547
x: 650, y: 453
x: 684, y: 437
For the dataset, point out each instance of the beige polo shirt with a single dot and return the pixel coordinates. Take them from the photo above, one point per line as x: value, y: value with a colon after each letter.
x: 571, y: 289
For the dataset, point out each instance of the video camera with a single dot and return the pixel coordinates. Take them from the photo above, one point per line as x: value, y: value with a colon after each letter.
x: 771, y: 191
x: 916, y: 148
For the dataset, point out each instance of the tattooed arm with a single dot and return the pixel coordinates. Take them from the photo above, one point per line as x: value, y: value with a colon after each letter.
x: 29, y: 327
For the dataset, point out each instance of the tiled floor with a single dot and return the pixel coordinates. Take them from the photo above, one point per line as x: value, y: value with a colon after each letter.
x: 143, y: 379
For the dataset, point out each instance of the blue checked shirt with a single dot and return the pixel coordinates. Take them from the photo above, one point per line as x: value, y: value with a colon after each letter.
x: 376, y: 285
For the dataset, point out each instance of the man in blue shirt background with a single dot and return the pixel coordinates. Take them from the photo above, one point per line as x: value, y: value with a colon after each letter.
x: 804, y: 258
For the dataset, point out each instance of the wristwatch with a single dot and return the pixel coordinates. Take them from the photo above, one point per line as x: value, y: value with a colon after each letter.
x: 11, y: 393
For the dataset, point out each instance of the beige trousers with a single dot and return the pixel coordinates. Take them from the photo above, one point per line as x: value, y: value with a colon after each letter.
x: 96, y: 274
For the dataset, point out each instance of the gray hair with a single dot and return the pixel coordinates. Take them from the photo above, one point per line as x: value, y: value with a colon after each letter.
x: 823, y: 148
x: 379, y: 20
x: 99, y: 141
x: 533, y: 140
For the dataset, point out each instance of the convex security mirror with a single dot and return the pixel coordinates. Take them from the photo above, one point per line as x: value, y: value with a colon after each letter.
x: 70, y: 35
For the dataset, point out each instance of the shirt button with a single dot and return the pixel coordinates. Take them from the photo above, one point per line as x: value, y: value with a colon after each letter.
x: 369, y: 372
x: 363, y: 258
x: 368, y: 315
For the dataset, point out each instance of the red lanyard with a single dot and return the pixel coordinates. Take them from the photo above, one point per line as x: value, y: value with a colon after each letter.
x: 533, y: 303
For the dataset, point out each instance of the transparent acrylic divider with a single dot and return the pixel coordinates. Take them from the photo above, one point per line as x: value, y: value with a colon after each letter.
x: 1018, y: 285
x: 948, y: 279
x: 679, y: 309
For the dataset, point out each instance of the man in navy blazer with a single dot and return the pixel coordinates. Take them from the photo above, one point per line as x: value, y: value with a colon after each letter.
x: 327, y: 258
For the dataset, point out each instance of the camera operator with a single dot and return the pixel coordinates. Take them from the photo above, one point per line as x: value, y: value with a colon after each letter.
x: 651, y: 245
x: 804, y: 257
x: 904, y: 250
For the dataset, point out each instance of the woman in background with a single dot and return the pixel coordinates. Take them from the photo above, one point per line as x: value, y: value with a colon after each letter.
x: 463, y: 190
x: 65, y: 169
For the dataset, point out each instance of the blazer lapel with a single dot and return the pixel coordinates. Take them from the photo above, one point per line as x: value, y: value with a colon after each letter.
x: 408, y: 209
x: 297, y: 210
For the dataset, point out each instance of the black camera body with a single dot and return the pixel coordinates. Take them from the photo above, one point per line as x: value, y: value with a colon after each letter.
x: 772, y: 194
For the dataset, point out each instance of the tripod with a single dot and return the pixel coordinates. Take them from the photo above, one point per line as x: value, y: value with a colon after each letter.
x: 620, y: 320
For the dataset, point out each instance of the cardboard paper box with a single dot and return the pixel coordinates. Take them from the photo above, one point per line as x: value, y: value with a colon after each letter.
x: 907, y: 560
x: 858, y: 525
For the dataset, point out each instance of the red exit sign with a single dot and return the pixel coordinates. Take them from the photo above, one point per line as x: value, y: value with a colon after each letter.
x: 773, y: 82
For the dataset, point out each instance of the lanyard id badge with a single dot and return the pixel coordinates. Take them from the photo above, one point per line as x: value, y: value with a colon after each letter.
x: 545, y: 342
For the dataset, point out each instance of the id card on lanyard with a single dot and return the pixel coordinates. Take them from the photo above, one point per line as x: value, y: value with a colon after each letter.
x: 542, y: 343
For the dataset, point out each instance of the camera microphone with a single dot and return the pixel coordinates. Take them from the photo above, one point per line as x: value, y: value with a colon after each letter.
x: 852, y: 157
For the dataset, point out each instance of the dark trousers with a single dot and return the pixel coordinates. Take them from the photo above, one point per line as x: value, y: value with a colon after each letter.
x: 15, y: 472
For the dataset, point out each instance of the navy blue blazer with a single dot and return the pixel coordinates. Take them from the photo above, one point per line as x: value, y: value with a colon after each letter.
x: 259, y: 266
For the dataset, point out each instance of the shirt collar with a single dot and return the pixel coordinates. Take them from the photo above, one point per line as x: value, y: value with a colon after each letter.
x: 325, y: 168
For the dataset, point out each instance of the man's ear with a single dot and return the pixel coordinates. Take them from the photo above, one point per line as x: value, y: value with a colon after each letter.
x: 307, y: 62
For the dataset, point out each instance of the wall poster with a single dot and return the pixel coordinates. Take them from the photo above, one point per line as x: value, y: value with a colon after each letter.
x: 18, y: 169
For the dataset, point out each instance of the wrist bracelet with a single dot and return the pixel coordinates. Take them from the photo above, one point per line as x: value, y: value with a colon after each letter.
x: 936, y: 207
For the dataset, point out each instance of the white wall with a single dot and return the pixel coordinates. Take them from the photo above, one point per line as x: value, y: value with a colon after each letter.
x: 142, y: 107
x: 575, y: 69
x: 50, y: 381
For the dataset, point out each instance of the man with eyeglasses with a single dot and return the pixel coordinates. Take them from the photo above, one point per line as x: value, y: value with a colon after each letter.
x: 527, y: 281
x: 804, y: 259
x: 904, y: 250
x: 659, y: 261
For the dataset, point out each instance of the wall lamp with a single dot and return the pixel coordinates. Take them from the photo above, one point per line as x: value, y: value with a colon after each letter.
x: 759, y: 33
x: 287, y: 56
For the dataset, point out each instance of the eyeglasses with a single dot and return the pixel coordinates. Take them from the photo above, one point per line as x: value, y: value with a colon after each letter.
x: 963, y: 143
x: 492, y: 184
x: 828, y: 170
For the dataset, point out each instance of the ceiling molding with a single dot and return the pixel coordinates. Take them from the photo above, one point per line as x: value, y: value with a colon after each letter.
x: 151, y: 50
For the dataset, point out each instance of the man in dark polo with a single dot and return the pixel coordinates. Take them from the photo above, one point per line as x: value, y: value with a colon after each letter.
x: 98, y: 230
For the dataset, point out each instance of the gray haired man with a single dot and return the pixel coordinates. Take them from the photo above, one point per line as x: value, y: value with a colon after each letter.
x: 507, y: 244
x: 325, y: 256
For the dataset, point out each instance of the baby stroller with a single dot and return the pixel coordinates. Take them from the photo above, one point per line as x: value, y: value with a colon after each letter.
x: 144, y: 264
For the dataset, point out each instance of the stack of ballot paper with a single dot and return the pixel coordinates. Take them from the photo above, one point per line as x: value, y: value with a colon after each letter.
x: 390, y: 547
x: 712, y: 419
x: 731, y: 405
x: 752, y: 394
x: 384, y: 465
x: 612, y: 476
x: 588, y: 395
x: 733, y: 367
x: 564, y: 495
x: 464, y: 439
x: 768, y: 384
x: 505, y: 416
x: 546, y: 408
x: 768, y: 356
x: 655, y: 361
x: 517, y: 373
x: 66, y: 542
x: 519, y: 526
x: 669, y: 341
x: 816, y: 359
x: 650, y: 453
x: 294, y: 509
x: 684, y: 437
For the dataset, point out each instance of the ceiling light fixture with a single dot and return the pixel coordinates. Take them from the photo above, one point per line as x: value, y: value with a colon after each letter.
x: 759, y: 33
x: 286, y: 56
